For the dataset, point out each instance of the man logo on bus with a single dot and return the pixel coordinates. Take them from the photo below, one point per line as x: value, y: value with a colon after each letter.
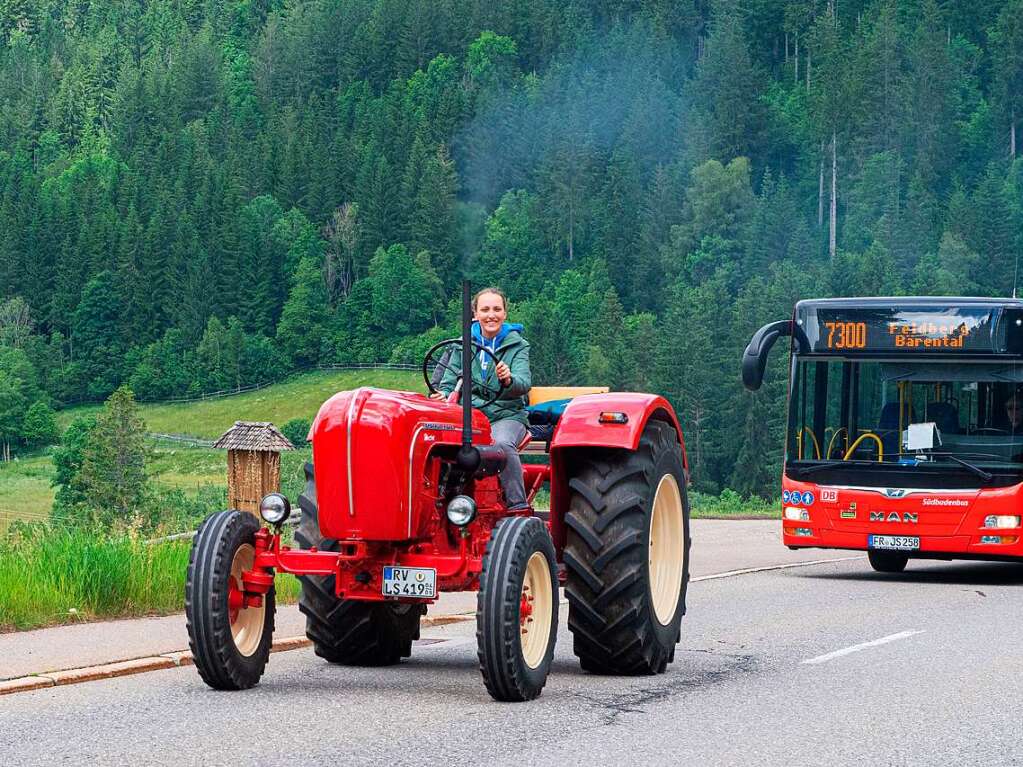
x: 893, y: 516
x: 894, y: 492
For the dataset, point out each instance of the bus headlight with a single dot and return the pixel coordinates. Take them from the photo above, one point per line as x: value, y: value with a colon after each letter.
x: 1001, y: 521
x: 797, y: 514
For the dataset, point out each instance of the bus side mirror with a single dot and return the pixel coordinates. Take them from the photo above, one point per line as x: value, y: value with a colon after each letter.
x: 754, y: 359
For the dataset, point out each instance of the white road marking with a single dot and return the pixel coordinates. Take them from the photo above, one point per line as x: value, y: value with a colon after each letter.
x: 862, y: 646
x: 749, y: 570
x: 444, y: 644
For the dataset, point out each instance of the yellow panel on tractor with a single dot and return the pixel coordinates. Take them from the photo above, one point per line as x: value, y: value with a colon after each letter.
x: 540, y: 394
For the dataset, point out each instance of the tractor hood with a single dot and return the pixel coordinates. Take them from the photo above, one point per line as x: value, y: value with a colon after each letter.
x: 370, y: 449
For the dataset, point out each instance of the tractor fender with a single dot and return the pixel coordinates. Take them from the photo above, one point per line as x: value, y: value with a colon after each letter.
x: 580, y: 426
x: 579, y: 431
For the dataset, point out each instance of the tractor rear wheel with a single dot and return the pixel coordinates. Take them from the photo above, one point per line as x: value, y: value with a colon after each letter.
x: 887, y: 561
x: 627, y: 555
x: 517, y: 609
x: 348, y: 631
x: 230, y: 642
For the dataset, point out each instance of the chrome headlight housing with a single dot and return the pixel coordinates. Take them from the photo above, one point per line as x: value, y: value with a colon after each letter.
x: 461, y: 510
x: 274, y: 508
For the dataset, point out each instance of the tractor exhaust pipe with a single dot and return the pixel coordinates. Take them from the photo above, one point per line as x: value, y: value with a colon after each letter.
x: 468, y: 456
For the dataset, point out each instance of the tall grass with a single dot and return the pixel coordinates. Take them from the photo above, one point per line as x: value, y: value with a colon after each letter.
x: 51, y: 575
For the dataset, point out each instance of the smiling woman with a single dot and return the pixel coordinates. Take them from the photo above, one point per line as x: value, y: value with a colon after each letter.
x: 501, y: 362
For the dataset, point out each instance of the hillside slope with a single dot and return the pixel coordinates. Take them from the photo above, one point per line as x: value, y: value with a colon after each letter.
x: 298, y: 397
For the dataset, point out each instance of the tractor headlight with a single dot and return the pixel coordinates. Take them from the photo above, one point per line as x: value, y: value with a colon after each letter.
x: 461, y: 510
x: 274, y: 508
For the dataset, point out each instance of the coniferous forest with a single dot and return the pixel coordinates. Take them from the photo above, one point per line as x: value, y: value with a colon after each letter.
x: 203, y: 194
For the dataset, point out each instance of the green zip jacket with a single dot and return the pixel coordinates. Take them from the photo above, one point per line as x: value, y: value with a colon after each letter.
x: 514, y: 352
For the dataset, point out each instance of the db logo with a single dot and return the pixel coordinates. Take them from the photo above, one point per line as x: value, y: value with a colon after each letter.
x: 829, y: 494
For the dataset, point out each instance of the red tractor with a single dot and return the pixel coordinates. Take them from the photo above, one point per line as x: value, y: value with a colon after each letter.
x: 404, y: 503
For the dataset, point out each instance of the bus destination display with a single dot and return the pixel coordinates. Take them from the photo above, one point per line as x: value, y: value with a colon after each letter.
x: 909, y: 330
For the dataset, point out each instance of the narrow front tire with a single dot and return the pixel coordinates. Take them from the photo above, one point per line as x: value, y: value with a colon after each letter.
x: 517, y: 609
x: 230, y: 642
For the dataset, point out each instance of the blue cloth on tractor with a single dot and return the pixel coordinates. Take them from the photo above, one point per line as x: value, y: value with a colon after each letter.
x: 543, y: 417
x: 546, y: 413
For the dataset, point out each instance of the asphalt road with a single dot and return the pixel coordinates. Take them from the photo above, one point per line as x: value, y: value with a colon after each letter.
x: 826, y: 664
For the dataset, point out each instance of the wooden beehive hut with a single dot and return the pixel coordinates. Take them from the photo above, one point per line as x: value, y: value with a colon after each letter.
x: 253, y: 462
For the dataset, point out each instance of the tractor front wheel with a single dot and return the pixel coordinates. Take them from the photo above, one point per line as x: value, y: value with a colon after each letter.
x: 517, y: 609
x: 347, y: 631
x: 230, y: 640
x: 627, y: 555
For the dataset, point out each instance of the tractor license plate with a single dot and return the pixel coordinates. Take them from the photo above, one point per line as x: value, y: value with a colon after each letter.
x: 894, y: 542
x: 420, y: 582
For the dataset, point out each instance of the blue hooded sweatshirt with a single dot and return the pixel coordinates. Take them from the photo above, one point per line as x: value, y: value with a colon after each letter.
x: 493, y: 344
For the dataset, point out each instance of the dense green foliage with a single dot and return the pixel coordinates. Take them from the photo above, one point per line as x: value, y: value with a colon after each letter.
x: 200, y: 195
x: 296, y: 430
x: 100, y: 468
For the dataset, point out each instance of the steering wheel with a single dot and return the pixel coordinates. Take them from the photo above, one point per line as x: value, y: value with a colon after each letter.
x: 439, y: 354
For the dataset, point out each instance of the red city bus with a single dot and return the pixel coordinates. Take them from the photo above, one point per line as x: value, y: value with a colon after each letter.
x: 905, y: 426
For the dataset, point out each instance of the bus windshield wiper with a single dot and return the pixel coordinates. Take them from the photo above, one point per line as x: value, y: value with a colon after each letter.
x: 984, y: 475
x: 832, y: 464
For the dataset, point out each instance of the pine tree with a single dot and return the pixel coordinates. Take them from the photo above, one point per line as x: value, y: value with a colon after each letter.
x: 728, y: 119
x: 432, y: 223
x: 112, y: 478
x: 377, y: 198
x: 688, y: 362
x: 302, y: 328
x: 1007, y: 62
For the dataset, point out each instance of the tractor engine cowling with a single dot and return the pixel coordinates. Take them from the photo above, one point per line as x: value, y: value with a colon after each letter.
x: 370, y: 450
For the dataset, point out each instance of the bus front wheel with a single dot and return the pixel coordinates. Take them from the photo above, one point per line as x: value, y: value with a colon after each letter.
x: 887, y: 561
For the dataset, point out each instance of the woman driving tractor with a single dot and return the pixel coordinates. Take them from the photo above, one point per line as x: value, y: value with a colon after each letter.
x: 507, y: 413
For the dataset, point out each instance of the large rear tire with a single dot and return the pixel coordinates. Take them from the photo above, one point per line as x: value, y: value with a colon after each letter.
x: 887, y: 561
x: 347, y: 631
x: 517, y: 609
x: 230, y: 642
x: 627, y: 555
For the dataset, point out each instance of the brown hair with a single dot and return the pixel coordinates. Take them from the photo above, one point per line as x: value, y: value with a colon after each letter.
x: 495, y: 291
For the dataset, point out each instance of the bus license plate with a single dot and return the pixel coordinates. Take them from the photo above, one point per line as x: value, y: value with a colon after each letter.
x: 893, y: 542
x: 419, y: 582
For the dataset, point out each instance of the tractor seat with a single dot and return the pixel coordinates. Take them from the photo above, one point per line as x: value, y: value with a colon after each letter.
x: 546, y: 404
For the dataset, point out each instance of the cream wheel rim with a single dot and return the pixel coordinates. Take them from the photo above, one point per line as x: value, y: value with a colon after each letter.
x: 535, y: 610
x: 666, y: 551
x: 246, y: 622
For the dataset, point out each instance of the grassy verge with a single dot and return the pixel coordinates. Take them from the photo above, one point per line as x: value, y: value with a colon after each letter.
x: 731, y: 505
x: 66, y: 576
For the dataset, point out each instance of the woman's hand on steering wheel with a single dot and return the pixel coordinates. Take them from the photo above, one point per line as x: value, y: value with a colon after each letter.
x: 440, y: 353
x: 503, y: 373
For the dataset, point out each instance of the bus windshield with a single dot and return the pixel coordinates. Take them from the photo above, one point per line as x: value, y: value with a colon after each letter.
x: 851, y: 419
